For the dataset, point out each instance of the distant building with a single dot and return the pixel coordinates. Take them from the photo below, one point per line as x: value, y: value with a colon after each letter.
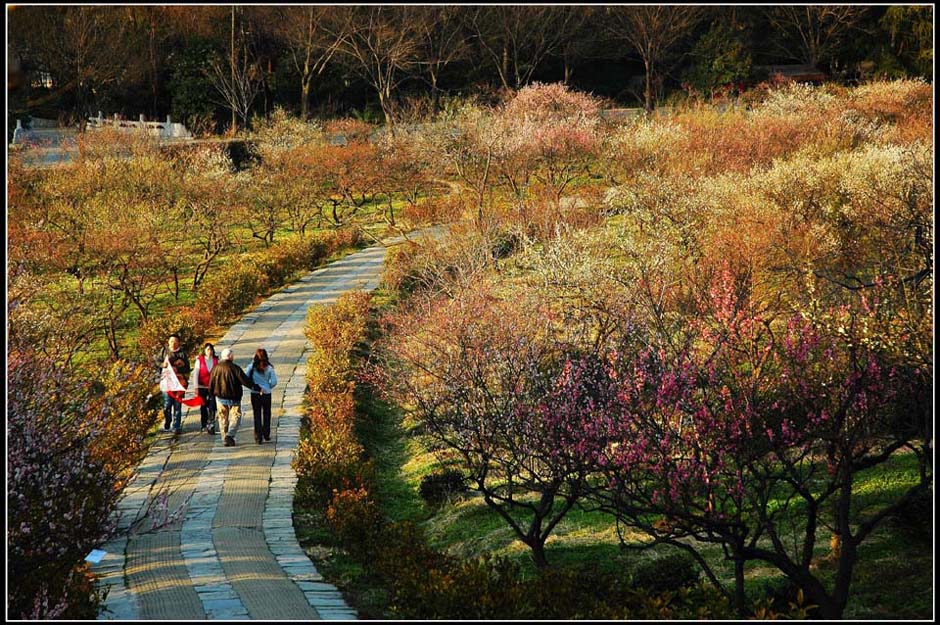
x: 796, y: 73
x: 42, y: 79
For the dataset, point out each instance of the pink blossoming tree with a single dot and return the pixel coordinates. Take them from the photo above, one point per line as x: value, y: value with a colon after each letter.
x: 748, y: 435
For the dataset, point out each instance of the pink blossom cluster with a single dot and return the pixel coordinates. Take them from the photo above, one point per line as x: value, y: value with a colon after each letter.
x: 61, y: 488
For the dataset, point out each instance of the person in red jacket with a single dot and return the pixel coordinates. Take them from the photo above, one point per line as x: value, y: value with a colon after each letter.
x: 205, y: 363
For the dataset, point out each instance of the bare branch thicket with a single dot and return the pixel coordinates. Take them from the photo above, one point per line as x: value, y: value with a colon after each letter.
x: 238, y: 79
x: 312, y: 35
x: 810, y: 34
x: 382, y: 48
x: 653, y: 32
x: 82, y: 48
x: 443, y: 39
x: 517, y: 39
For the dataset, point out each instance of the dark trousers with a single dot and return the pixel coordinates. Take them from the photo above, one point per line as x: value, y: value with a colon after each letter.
x: 207, y: 409
x: 261, y: 407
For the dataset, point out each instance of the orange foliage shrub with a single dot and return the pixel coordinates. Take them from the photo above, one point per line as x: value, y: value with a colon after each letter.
x: 120, y: 444
x: 336, y: 329
x: 350, y: 128
x: 331, y: 410
x: 717, y: 143
x: 432, y: 211
x: 191, y: 323
x: 330, y: 457
x: 355, y: 519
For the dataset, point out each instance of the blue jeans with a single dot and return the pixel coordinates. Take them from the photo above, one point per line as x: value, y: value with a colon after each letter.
x: 171, y: 406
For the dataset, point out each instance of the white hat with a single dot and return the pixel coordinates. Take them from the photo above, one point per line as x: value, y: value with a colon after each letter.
x: 226, y: 354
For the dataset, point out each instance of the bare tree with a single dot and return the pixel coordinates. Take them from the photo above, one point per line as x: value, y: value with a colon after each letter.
x: 810, y: 34
x: 576, y: 40
x: 381, y: 48
x: 653, y: 32
x: 239, y: 80
x: 516, y: 39
x: 443, y: 39
x: 81, y: 48
x: 312, y: 35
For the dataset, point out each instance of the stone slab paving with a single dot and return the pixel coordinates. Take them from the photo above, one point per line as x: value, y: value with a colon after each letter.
x: 229, y: 552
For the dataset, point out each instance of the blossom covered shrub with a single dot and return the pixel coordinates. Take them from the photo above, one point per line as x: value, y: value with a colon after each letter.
x: 211, y: 161
x: 473, y: 370
x: 892, y: 101
x: 700, y: 436
x: 72, y: 442
x: 281, y: 132
x: 433, y: 265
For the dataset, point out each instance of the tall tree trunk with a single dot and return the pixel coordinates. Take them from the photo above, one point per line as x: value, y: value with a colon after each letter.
x: 384, y: 104
x: 648, y: 93
x: 305, y: 91
x: 740, y: 600
x: 434, y: 92
x: 232, y: 67
x: 153, y: 69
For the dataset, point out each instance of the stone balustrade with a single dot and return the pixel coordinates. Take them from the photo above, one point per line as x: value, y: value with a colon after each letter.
x: 163, y: 130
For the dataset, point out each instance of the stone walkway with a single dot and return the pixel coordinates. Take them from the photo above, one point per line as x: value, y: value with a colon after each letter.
x: 206, y: 531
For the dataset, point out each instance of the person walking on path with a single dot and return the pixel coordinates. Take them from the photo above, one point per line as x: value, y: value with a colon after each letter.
x: 225, y: 383
x: 262, y: 373
x: 204, y: 366
x: 174, y: 357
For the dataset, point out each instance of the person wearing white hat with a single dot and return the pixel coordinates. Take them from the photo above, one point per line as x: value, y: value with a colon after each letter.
x: 225, y: 383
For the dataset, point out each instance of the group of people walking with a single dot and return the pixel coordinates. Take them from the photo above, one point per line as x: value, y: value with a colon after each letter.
x: 219, y: 383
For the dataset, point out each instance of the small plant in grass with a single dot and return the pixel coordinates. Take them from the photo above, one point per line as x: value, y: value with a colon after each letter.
x: 671, y: 572
x: 441, y: 486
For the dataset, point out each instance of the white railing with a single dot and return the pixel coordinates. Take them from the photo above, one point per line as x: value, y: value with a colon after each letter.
x: 163, y: 130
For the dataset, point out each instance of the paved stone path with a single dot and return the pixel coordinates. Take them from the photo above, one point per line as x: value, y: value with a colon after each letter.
x: 206, y: 531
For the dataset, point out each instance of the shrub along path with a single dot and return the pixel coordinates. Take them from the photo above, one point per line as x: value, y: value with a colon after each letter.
x: 205, y: 531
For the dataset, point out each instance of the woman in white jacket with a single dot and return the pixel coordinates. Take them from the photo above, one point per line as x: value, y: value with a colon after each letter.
x: 262, y: 373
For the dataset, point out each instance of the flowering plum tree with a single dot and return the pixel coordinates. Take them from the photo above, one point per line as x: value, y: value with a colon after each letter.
x: 351, y: 174
x: 476, y: 372
x: 406, y: 169
x: 70, y: 446
x: 749, y: 434
x: 552, y: 136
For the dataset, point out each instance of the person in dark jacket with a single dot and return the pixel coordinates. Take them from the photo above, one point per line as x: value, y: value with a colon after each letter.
x: 225, y: 383
x: 174, y: 356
